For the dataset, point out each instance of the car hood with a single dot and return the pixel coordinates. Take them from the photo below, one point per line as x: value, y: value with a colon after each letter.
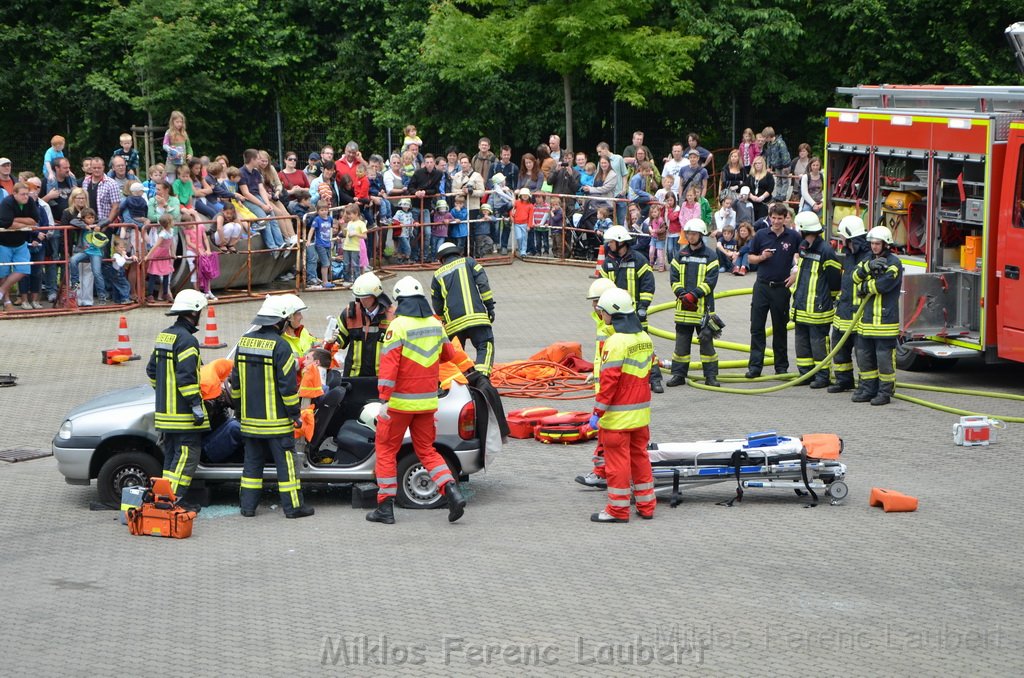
x: 136, y: 395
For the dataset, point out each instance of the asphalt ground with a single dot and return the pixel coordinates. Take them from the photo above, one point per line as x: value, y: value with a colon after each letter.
x: 524, y: 584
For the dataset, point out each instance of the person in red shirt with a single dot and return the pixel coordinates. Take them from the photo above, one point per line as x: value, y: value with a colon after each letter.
x: 522, y: 219
x: 349, y: 160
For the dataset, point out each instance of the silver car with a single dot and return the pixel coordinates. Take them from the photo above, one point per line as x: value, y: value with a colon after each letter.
x: 112, y: 439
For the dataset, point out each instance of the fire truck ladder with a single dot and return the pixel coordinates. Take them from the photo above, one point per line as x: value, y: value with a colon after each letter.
x: 974, y: 98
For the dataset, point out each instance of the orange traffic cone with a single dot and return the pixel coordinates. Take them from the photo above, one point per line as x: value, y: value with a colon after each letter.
x: 211, y: 338
x: 124, y: 344
x: 892, y: 501
x: 600, y: 262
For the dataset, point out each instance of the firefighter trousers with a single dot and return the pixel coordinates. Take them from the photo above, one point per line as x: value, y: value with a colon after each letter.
x: 598, y: 459
x: 482, y: 337
x: 256, y: 451
x: 389, y: 440
x: 842, y: 361
x: 627, y: 463
x: 812, y: 345
x: 181, y: 458
x: 681, y: 355
x: 876, y: 359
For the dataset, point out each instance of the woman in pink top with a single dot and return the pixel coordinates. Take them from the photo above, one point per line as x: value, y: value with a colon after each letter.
x: 160, y: 262
x: 674, y: 226
x: 748, y: 149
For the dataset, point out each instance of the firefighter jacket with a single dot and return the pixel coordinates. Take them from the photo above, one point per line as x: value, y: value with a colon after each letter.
x: 363, y: 336
x: 409, y: 371
x: 818, y: 279
x: 461, y: 295
x: 301, y: 342
x: 624, y: 400
x: 265, y: 384
x: 882, y: 314
x: 694, y: 271
x: 602, y: 331
x: 634, y: 274
x: 857, y: 250
x: 173, y: 371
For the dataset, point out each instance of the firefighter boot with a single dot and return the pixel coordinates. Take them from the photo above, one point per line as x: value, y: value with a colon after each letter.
x: 820, y: 379
x: 867, y: 390
x: 456, y: 502
x: 678, y: 377
x: 711, y: 374
x: 844, y: 382
x: 656, y: 385
x: 885, y: 391
x: 301, y: 512
x: 384, y: 513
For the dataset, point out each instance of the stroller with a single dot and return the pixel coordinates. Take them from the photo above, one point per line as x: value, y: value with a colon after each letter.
x: 584, y: 242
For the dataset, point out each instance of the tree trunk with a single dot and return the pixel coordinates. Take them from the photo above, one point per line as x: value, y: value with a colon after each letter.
x: 567, y: 88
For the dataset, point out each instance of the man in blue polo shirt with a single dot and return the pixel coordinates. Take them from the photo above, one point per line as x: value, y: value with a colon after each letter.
x: 772, y: 250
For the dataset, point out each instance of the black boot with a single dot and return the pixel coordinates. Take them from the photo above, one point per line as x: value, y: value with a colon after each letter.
x: 456, y: 502
x: 867, y: 390
x: 301, y: 512
x: 843, y: 383
x: 384, y: 513
x: 656, y: 386
x: 678, y: 378
x: 885, y: 391
x: 711, y: 375
x: 820, y: 381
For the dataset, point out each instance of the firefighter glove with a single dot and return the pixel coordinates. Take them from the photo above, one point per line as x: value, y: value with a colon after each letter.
x: 642, y: 314
x: 198, y: 414
x: 593, y: 421
x: 878, y: 267
x: 688, y: 301
x: 383, y: 414
x: 490, y: 315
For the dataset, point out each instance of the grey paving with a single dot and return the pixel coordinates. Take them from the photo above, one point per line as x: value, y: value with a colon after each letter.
x: 524, y: 584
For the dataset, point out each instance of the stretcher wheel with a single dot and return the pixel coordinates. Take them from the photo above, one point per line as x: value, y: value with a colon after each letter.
x: 837, y: 490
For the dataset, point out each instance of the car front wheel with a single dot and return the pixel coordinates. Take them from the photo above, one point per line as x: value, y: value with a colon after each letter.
x: 125, y: 469
x: 416, y: 489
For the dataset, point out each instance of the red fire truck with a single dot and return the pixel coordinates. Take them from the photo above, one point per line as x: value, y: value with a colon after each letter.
x: 942, y: 166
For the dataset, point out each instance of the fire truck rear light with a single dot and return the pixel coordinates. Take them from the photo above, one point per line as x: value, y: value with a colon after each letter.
x: 959, y: 123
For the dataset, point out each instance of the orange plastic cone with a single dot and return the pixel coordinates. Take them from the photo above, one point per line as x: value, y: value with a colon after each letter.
x: 600, y: 262
x: 124, y: 343
x: 211, y: 339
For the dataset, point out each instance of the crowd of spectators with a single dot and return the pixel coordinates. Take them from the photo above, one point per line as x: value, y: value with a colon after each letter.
x: 342, y: 210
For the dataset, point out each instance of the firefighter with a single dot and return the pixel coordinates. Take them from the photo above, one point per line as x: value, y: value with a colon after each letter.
x: 173, y: 371
x: 407, y: 385
x: 694, y: 276
x: 596, y: 478
x: 630, y: 270
x: 817, y: 276
x: 622, y: 412
x: 362, y: 325
x: 265, y: 387
x: 880, y: 275
x: 463, y: 299
x: 295, y: 333
x: 851, y: 228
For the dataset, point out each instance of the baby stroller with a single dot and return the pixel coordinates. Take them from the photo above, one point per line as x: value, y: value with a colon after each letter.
x: 583, y: 243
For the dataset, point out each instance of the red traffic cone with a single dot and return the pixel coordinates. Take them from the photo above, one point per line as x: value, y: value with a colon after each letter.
x: 600, y: 262
x: 211, y: 339
x: 124, y: 344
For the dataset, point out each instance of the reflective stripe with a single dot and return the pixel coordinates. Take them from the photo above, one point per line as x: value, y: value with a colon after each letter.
x: 618, y: 490
x: 387, y: 481
x: 639, y: 364
x: 632, y: 406
x: 390, y: 383
x: 414, y: 396
x: 618, y: 502
x: 252, y: 483
x: 642, y: 486
x: 443, y: 479
x: 387, y: 491
x: 428, y: 352
x: 611, y: 363
x: 424, y: 332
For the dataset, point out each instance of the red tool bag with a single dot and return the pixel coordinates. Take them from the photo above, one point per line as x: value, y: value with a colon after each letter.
x: 522, y: 422
x: 565, y: 428
x: 159, y: 516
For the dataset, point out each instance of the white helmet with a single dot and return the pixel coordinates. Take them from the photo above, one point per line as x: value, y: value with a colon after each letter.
x: 293, y: 304
x: 367, y: 285
x: 617, y: 234
x: 368, y: 416
x: 188, y: 301
x: 409, y: 287
x: 807, y: 222
x: 695, y: 226
x: 498, y: 178
x: 448, y: 249
x: 273, y: 311
x: 851, y: 226
x: 880, y: 233
x: 599, y: 287
x: 616, y: 301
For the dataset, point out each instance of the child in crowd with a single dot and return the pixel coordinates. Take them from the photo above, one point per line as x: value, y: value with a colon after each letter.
x: 557, y: 222
x: 667, y: 182
x: 232, y: 176
x: 126, y: 150
x: 502, y: 200
x: 604, y: 219
x: 728, y: 250
x: 204, y: 200
x: 182, y: 186
x: 122, y: 289
x: 196, y: 246
x: 301, y: 206
x: 355, y: 232
x: 215, y: 177
x: 587, y: 176
x: 135, y: 207
x: 408, y: 166
x: 155, y: 176
x: 483, y: 235
x: 672, y: 215
x: 160, y: 261
x: 411, y: 137
x: 53, y: 153
x: 229, y: 230
x: 743, y: 207
x: 318, y: 249
x: 639, y: 229
x: 439, y: 230
x: 94, y: 241
x: 403, y: 219
x: 538, y: 241
x: 744, y: 236
x: 312, y: 168
x: 658, y: 228
x: 522, y: 220
x: 458, y: 225
x: 726, y: 215
x: 164, y: 203
x: 176, y: 142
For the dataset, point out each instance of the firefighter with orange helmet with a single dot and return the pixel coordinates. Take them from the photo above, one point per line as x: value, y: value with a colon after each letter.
x: 622, y: 412
x: 407, y: 385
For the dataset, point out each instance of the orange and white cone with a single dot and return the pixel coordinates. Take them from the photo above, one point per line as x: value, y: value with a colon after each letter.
x: 124, y: 343
x: 211, y: 338
x: 600, y: 262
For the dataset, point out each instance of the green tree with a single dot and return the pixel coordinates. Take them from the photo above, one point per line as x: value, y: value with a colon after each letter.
x: 613, y: 42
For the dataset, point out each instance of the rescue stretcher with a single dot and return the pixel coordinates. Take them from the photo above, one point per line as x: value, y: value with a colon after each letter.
x: 806, y: 465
